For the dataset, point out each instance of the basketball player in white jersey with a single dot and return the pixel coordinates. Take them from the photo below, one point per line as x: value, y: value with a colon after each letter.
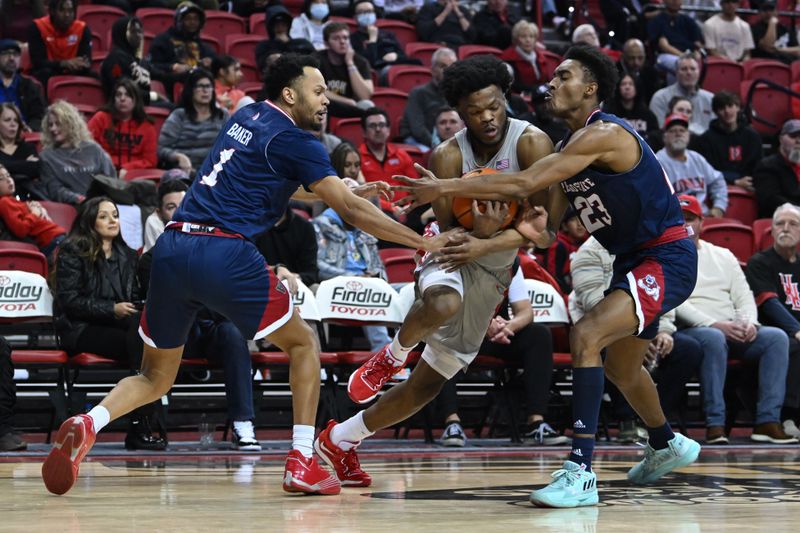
x: 458, y: 290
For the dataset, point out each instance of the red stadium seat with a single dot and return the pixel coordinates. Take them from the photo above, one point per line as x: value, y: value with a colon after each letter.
x: 775, y: 71
x: 767, y: 104
x: 221, y: 23
x: 722, y: 74
x: 100, y: 19
x: 242, y: 45
x: 212, y: 41
x: 406, y: 77
x: 250, y: 72
x: 18, y: 245
x: 394, y: 103
x: 97, y: 42
x: 742, y: 205
x: 550, y: 61
x: 156, y: 20
x: 351, y: 23
x: 256, y: 25
x: 389, y: 253
x: 159, y: 116
x: 762, y: 234
x: 76, y: 90
x: 152, y: 174
x: 405, y: 33
x: 737, y: 238
x: 400, y: 269
x: 251, y: 89
x: 23, y: 259
x: 469, y: 50
x: 62, y: 214
x: 348, y: 129
x: 422, y: 51
x: 795, y: 71
x: 416, y: 154
x: 295, y: 7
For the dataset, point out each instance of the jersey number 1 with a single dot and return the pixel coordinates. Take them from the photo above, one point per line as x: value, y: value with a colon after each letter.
x: 593, y: 215
x: 211, y: 178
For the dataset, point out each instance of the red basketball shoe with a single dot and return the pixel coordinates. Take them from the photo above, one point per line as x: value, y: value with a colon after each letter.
x: 74, y: 440
x: 344, y: 463
x: 304, y: 474
x: 365, y: 383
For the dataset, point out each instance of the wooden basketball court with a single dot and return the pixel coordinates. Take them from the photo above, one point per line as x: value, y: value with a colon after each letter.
x: 483, y: 487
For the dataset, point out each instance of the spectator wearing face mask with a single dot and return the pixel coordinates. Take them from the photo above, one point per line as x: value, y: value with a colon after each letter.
x: 310, y: 23
x: 777, y: 177
x: 379, y: 47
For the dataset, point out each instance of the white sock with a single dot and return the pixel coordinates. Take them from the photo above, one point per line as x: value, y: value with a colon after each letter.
x: 100, y: 417
x: 303, y: 439
x: 349, y: 434
x: 397, y: 352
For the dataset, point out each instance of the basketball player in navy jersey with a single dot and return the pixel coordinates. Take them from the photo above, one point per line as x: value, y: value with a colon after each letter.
x: 612, y: 179
x: 206, y: 258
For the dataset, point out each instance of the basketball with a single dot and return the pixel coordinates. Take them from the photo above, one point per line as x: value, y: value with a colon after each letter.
x: 462, y: 207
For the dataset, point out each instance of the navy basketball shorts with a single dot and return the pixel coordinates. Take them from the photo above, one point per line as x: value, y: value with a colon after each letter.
x: 658, y: 279
x: 223, y: 273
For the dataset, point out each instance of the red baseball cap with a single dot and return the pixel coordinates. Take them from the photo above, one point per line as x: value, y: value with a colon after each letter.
x: 690, y: 204
x: 676, y: 118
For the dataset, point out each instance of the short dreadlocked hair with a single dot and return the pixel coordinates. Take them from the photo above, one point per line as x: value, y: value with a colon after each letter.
x: 467, y: 76
x: 597, y: 67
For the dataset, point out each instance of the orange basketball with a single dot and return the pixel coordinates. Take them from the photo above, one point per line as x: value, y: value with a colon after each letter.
x: 462, y: 207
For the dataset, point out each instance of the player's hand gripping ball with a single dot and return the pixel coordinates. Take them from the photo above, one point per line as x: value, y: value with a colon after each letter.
x: 462, y: 207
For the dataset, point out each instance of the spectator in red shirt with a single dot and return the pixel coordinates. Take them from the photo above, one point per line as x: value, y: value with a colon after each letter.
x: 27, y: 220
x: 124, y: 131
x: 380, y: 159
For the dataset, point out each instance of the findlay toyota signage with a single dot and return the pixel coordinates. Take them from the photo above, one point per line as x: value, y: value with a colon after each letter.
x: 23, y: 294
x: 547, y: 304
x: 355, y: 298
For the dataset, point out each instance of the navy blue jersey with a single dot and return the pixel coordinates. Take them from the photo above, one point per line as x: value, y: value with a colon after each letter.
x: 624, y: 211
x: 258, y: 161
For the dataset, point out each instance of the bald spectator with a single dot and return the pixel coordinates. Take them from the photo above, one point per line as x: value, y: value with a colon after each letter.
x: 634, y: 63
x: 447, y: 22
x: 688, y: 75
x: 493, y: 23
x: 587, y: 34
x: 727, y: 35
x: 416, y: 126
x: 60, y: 44
x: 672, y: 34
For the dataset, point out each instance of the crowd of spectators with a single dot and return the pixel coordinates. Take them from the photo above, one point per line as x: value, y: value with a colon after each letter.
x: 168, y: 95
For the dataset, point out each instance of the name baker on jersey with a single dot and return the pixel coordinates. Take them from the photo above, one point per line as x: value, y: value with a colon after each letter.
x: 239, y: 134
x: 579, y: 186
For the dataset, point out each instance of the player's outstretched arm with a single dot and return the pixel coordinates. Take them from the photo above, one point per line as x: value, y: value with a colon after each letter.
x: 366, y: 217
x: 586, y: 146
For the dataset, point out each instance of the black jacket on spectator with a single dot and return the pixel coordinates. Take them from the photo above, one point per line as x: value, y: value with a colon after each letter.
x: 648, y: 80
x: 641, y: 119
x: 177, y: 46
x: 32, y: 101
x: 86, y: 291
x: 292, y: 243
x: 374, y: 52
x: 491, y: 30
x: 419, y: 116
x: 449, y: 32
x: 735, y: 153
x: 776, y: 183
x: 122, y: 62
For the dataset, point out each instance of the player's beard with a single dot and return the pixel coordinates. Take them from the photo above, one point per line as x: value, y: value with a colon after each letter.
x: 308, y: 115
